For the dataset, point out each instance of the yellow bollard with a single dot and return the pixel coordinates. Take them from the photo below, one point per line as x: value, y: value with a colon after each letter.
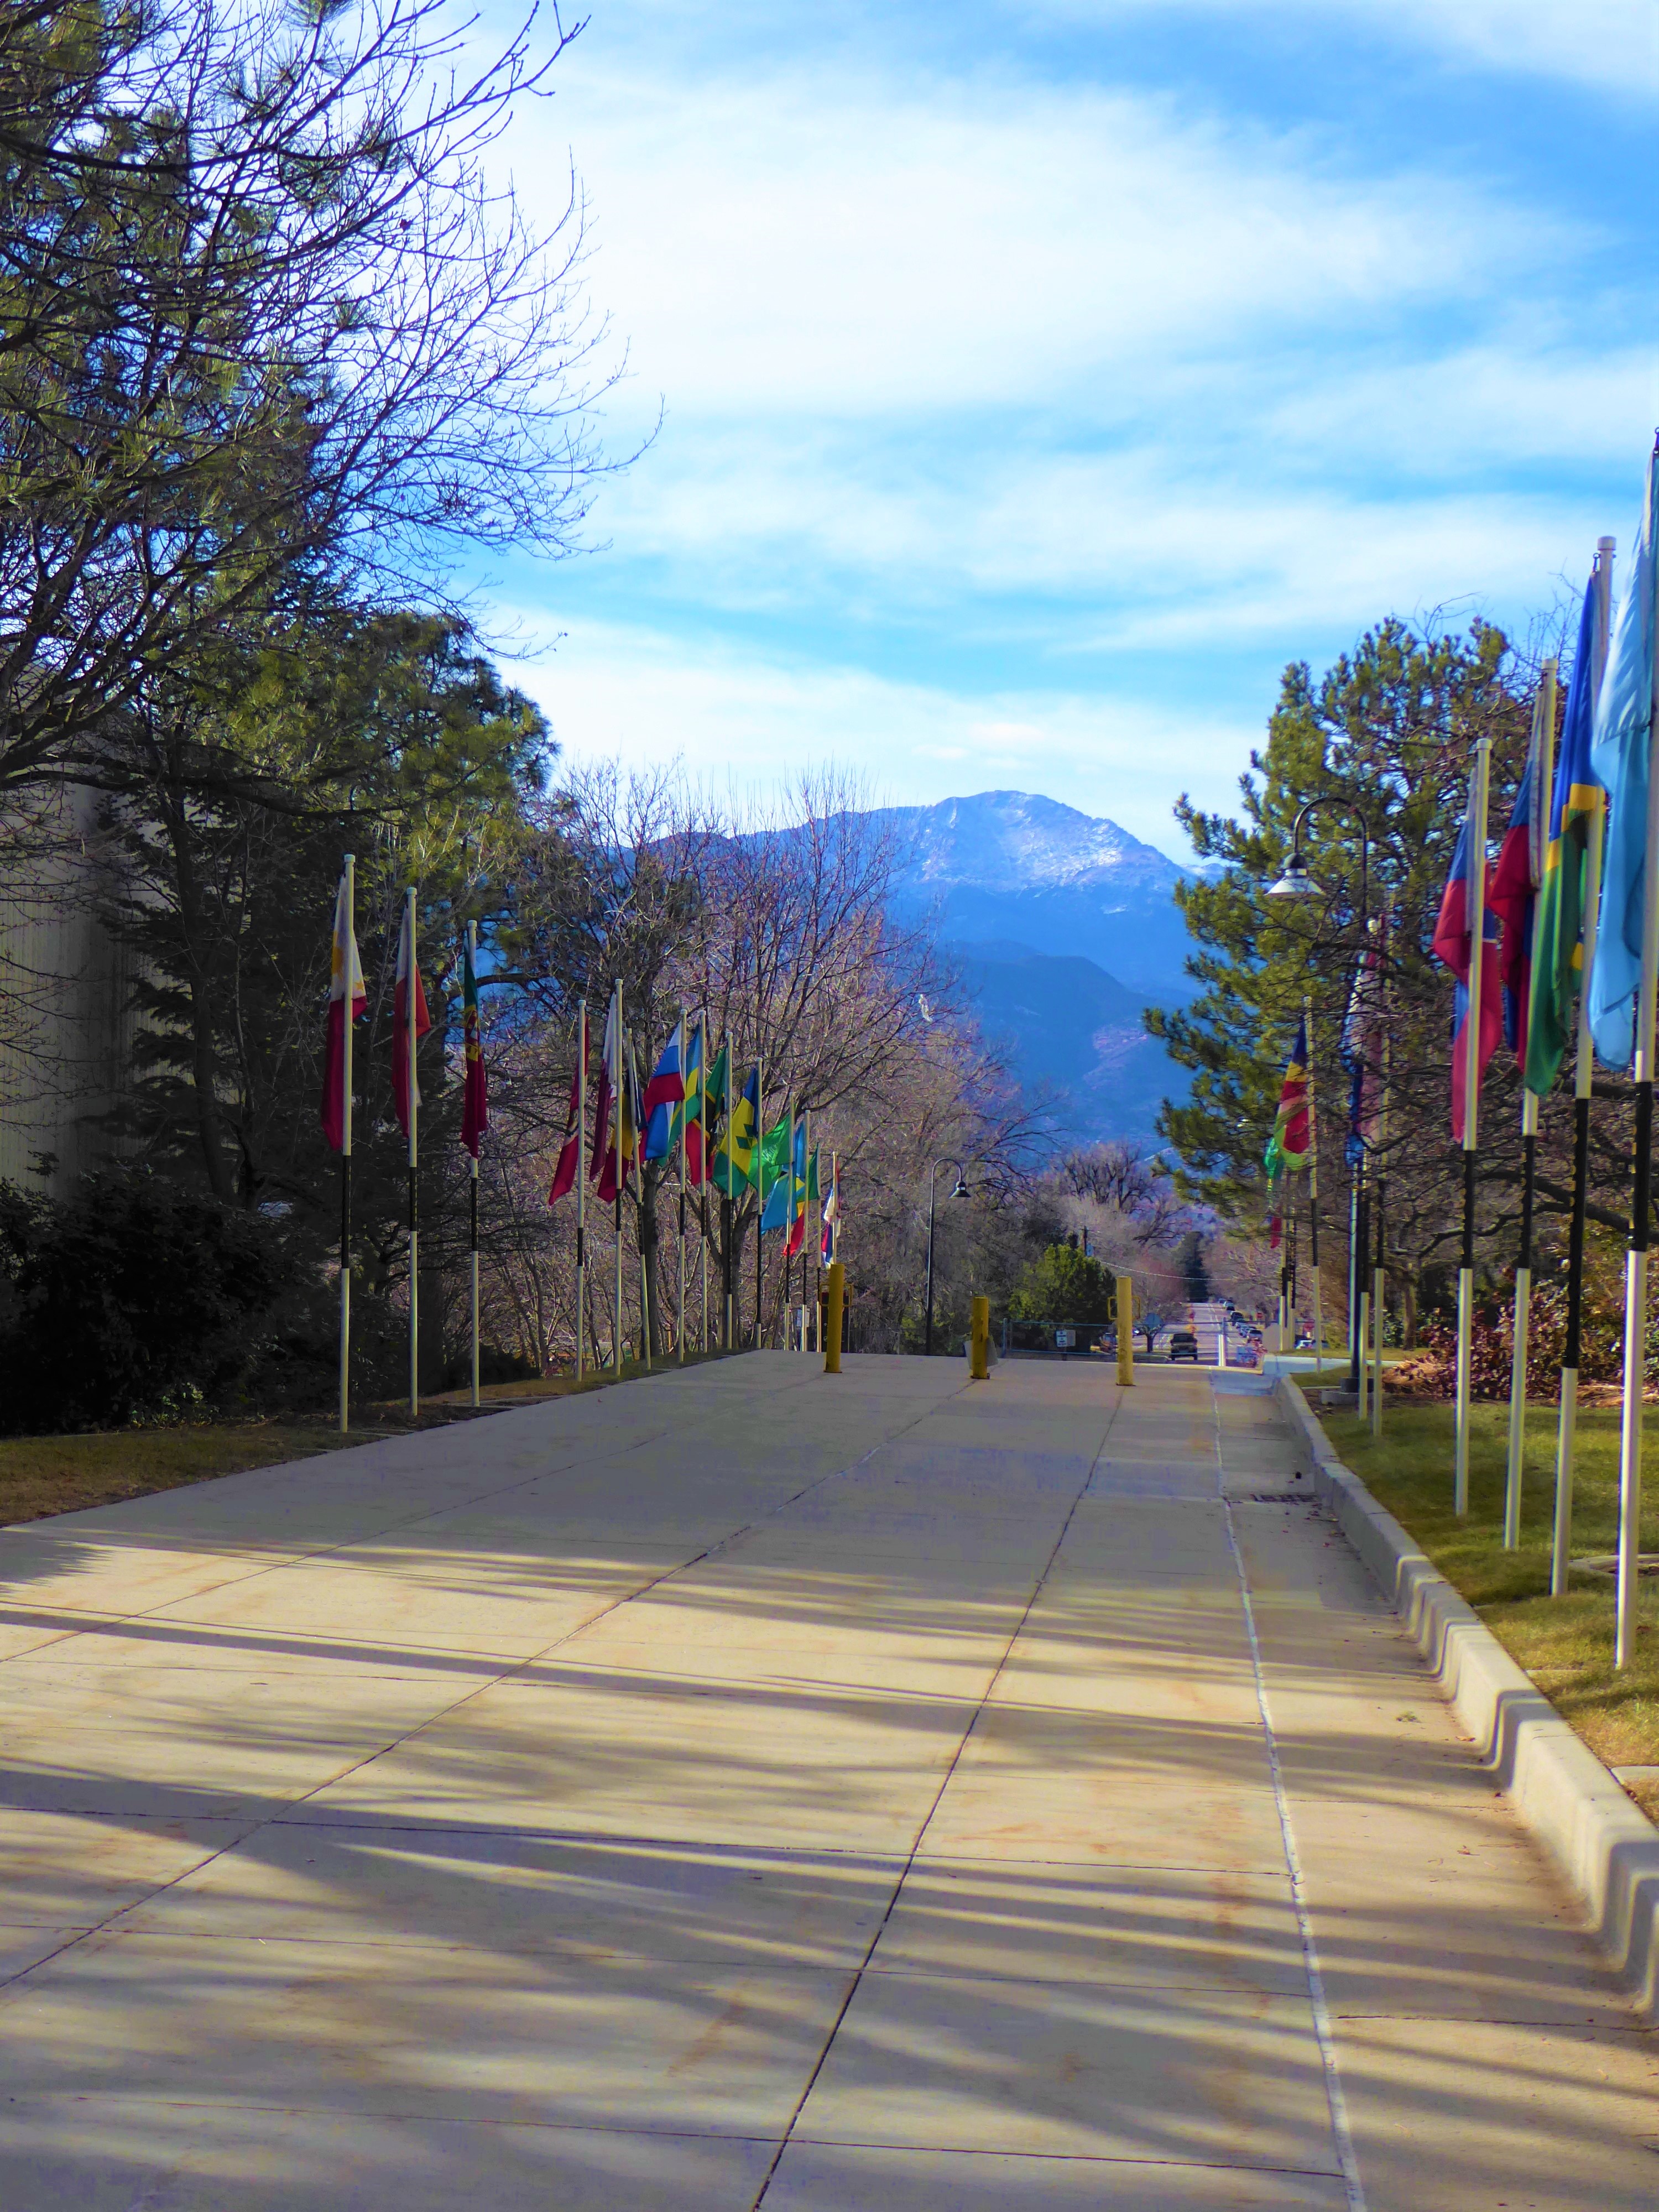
x: 1125, y: 1332
x: 837, y: 1298
x: 981, y: 1369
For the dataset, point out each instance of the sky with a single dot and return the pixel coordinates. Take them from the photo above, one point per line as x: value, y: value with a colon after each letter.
x: 1031, y: 382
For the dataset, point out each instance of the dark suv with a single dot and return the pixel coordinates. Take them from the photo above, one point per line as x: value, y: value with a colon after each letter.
x: 1183, y: 1345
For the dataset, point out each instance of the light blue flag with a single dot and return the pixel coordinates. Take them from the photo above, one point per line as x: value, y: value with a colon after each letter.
x: 779, y: 1211
x: 1619, y: 755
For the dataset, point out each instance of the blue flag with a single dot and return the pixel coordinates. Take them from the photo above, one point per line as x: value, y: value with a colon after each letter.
x: 1619, y: 755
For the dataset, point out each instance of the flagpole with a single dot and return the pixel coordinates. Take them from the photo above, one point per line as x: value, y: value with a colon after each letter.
x: 680, y: 1326
x: 1543, y: 784
x: 760, y: 1188
x: 1378, y: 1271
x: 617, y: 1093
x: 412, y: 1103
x: 345, y: 1150
x: 1477, y: 911
x: 472, y: 963
x: 1313, y: 1197
x: 1566, y: 1436
x: 582, y: 1179
x: 702, y: 1188
x: 1641, y: 1213
x: 640, y: 1210
x: 728, y: 1223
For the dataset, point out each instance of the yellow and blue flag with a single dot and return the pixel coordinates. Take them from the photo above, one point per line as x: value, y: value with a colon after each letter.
x: 735, y: 1164
x: 1576, y: 812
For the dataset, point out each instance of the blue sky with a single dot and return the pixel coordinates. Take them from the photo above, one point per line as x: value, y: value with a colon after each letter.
x: 1039, y: 379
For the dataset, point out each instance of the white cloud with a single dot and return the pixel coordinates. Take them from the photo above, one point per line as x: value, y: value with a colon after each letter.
x: 640, y: 697
x: 1611, y: 44
x: 840, y: 246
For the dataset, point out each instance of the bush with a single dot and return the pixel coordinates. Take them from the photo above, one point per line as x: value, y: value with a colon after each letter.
x: 129, y: 1301
x: 1433, y: 1372
x: 1063, y: 1285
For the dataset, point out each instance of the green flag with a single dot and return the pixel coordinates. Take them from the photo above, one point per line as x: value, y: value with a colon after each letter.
x: 775, y: 1153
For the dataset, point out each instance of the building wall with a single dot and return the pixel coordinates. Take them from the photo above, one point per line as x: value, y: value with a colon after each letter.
x: 66, y: 1028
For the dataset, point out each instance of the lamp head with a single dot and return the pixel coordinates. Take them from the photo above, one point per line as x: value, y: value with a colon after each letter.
x: 961, y: 1189
x: 1295, y: 883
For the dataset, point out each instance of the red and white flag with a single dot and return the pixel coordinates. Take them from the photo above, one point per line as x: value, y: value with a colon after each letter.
x: 405, y: 1082
x: 345, y: 984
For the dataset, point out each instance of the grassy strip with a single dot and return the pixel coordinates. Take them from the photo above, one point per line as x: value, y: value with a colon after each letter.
x: 43, y: 1475
x: 1564, y: 1643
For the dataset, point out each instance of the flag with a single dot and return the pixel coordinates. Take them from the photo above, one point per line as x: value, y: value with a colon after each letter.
x: 346, y: 982
x: 805, y: 1179
x: 776, y: 1175
x: 735, y: 1164
x: 406, y: 1078
x: 1576, y: 807
x: 1515, y: 879
x: 606, y: 1096
x: 1292, y: 1139
x: 1618, y: 756
x: 662, y: 1095
x: 831, y: 1215
x: 1451, y: 947
x: 570, y: 1152
x: 1360, y: 1048
x: 475, y: 1093
x: 619, y: 1161
x: 688, y: 1114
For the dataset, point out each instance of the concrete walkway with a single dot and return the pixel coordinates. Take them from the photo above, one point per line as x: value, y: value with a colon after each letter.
x: 752, y: 1786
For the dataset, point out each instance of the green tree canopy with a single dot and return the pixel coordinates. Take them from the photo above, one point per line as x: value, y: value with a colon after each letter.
x: 1064, y: 1285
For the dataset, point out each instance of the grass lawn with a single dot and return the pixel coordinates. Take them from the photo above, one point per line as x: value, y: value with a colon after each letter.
x: 1564, y: 1643
x: 40, y: 1475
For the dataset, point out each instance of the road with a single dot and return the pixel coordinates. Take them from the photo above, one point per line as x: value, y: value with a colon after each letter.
x: 752, y: 1786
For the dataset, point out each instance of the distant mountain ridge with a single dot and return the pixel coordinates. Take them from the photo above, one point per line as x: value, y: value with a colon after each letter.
x: 1065, y: 927
x: 1016, y: 868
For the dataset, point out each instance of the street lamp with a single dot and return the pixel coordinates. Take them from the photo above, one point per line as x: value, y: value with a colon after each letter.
x: 961, y: 1191
x: 1297, y: 883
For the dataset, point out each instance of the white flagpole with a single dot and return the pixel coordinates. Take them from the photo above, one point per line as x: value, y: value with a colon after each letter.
x: 345, y: 1150
x: 582, y: 1179
x: 1543, y: 786
x: 414, y: 1109
x: 472, y: 963
x: 1636, y: 1278
x: 617, y: 1095
x: 702, y: 1155
x: 1313, y: 1202
x: 1477, y: 911
x: 1566, y: 1435
x: 679, y: 1325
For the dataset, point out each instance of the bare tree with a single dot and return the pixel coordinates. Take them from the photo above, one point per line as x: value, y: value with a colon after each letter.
x: 270, y: 340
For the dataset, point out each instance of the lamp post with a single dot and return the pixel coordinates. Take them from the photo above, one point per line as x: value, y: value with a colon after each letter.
x: 1297, y: 883
x: 961, y: 1191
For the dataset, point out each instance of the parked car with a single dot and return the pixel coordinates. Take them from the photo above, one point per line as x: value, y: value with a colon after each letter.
x: 1183, y: 1345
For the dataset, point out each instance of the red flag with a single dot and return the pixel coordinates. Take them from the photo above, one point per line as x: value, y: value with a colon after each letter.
x: 405, y: 1084
x: 570, y: 1152
x: 346, y: 980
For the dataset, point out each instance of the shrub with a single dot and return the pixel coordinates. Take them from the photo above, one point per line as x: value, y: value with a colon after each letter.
x: 129, y: 1301
x: 1063, y: 1285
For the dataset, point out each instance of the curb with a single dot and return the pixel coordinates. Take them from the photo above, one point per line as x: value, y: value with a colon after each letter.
x: 1604, y: 1846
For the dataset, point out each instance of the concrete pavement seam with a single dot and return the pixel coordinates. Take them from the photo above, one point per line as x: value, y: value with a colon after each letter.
x: 476, y: 1690
x: 1603, y: 1845
x: 1340, y: 2132
x: 914, y: 1851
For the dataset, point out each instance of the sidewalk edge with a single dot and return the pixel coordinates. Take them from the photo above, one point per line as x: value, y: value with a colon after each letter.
x: 1603, y: 1845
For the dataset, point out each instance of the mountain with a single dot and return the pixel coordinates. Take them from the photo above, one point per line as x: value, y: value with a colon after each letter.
x: 1011, y: 867
x: 1074, y: 1030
